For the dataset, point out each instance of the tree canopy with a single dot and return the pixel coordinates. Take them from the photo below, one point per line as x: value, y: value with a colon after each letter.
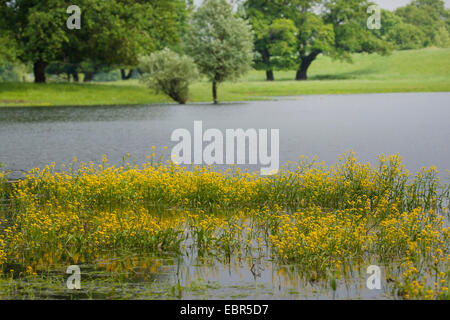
x: 113, y: 33
x: 220, y: 42
x: 331, y: 27
x: 273, y: 34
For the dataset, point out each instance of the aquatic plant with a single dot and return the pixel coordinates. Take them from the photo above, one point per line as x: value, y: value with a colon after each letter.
x: 326, y: 220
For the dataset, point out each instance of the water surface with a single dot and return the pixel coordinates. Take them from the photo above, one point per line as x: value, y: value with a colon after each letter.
x: 416, y: 125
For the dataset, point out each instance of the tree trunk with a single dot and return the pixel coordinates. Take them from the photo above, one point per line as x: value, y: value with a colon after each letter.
x: 266, y: 60
x: 88, y: 76
x: 302, y: 72
x: 39, y: 71
x: 269, y: 75
x: 126, y: 76
x: 214, y: 88
x: 76, y: 78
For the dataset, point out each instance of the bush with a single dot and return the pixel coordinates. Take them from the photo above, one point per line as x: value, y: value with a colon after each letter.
x: 168, y: 72
x: 442, y: 38
x: 406, y: 36
x: 10, y: 72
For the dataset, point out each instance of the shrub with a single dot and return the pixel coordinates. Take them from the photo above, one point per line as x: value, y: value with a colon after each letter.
x: 442, y: 38
x: 168, y: 72
x: 406, y: 36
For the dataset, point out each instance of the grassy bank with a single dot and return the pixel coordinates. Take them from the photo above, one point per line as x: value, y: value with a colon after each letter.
x: 425, y: 70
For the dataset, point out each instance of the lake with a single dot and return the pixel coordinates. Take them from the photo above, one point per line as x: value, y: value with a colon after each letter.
x: 415, y: 125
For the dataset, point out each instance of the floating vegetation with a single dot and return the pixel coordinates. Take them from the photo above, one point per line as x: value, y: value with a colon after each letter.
x: 327, y: 222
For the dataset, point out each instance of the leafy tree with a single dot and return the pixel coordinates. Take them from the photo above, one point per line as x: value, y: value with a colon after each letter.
x: 38, y: 28
x: 428, y: 15
x: 8, y: 49
x: 117, y: 32
x: 314, y: 37
x: 282, y: 47
x: 349, y: 21
x: 220, y: 43
x: 442, y: 38
x: 170, y: 73
x: 406, y: 36
x: 113, y: 32
x: 275, y: 37
x: 167, y: 22
x: 388, y: 21
x: 332, y: 27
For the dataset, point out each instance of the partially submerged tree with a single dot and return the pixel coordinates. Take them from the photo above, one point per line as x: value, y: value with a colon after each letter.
x: 220, y: 43
x: 168, y: 72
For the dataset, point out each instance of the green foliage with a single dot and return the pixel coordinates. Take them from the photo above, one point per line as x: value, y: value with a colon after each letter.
x: 314, y: 35
x: 330, y: 27
x: 220, y: 42
x: 424, y: 70
x: 42, y: 33
x: 275, y: 36
x: 406, y: 36
x: 8, y: 48
x: 388, y: 21
x: 113, y: 33
x: 428, y: 15
x: 12, y: 72
x: 168, y: 72
x: 349, y: 20
x: 282, y: 43
x: 442, y: 38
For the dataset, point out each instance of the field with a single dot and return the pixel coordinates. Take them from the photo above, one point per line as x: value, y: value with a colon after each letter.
x: 323, y: 224
x: 425, y: 70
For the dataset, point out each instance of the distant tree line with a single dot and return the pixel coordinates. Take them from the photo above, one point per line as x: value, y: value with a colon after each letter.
x: 281, y: 34
x: 113, y: 34
x: 292, y: 33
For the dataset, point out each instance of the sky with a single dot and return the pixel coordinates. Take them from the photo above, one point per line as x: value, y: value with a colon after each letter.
x: 385, y: 4
x: 393, y: 4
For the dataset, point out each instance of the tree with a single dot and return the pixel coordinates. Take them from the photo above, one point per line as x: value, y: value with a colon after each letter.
x: 170, y: 73
x: 166, y: 24
x: 38, y: 30
x: 275, y: 37
x: 406, y: 36
x: 428, y: 15
x: 113, y: 33
x: 8, y: 49
x: 332, y: 27
x: 314, y: 37
x: 282, y: 35
x: 351, y: 35
x: 220, y: 43
x: 442, y: 38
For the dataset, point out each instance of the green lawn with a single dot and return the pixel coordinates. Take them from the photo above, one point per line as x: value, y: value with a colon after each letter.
x: 425, y: 70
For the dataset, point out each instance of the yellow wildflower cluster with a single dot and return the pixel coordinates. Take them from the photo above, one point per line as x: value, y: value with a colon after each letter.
x: 304, y: 183
x: 321, y: 218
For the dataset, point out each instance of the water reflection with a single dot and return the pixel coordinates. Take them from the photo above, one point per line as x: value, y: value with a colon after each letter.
x: 414, y: 125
